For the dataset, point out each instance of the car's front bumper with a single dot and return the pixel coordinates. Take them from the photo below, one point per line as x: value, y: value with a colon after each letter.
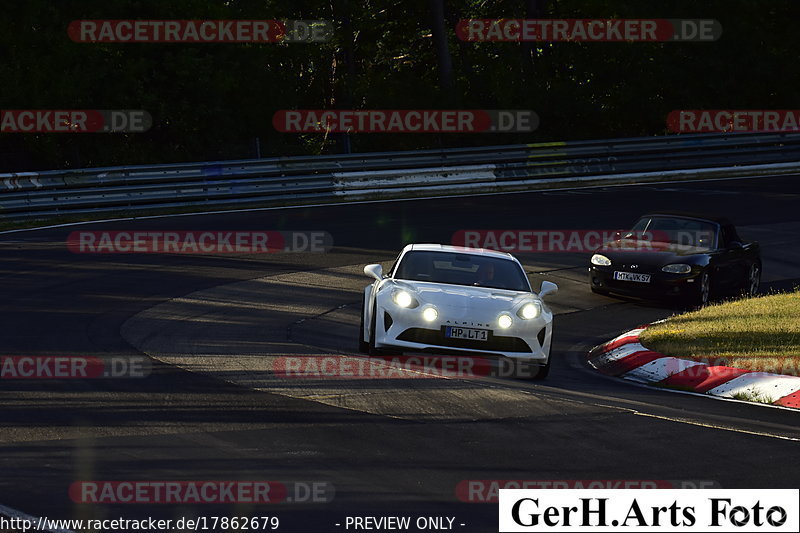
x: 661, y: 285
x: 528, y: 340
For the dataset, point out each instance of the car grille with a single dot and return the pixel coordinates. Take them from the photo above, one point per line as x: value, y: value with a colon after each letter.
x: 436, y: 338
x: 637, y: 268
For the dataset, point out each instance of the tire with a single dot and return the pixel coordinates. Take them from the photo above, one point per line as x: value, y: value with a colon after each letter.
x: 598, y: 291
x: 371, y: 349
x: 544, y: 371
x: 753, y: 280
x: 363, y: 346
x: 532, y: 372
x: 703, y: 293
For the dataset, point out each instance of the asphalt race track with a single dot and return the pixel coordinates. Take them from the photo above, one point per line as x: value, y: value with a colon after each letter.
x: 213, y: 325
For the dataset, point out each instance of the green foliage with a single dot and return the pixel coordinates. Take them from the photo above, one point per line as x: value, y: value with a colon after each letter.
x: 210, y: 101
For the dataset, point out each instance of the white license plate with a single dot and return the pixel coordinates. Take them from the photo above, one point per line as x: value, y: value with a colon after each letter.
x: 632, y: 276
x: 454, y: 332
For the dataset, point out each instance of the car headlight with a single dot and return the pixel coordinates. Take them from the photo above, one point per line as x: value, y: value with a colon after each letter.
x: 430, y: 314
x: 404, y: 299
x: 677, y: 268
x: 529, y: 311
x: 504, y: 321
x: 601, y: 260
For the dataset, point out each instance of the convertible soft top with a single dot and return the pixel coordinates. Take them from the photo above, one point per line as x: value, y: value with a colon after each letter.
x: 722, y: 221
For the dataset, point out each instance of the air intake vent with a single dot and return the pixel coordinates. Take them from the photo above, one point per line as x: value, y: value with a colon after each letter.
x: 540, y: 336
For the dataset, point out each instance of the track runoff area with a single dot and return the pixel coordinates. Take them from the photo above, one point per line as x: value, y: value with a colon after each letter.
x: 610, y: 413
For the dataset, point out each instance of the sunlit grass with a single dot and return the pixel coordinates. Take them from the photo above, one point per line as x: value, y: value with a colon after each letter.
x: 761, y: 334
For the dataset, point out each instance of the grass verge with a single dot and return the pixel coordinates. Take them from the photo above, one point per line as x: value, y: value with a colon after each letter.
x: 761, y: 334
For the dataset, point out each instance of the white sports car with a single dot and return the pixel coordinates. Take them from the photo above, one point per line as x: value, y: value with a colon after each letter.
x: 446, y: 298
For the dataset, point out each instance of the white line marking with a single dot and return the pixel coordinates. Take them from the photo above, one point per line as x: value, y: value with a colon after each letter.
x: 714, y: 426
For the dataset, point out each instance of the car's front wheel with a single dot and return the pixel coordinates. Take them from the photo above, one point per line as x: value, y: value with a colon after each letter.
x: 599, y: 291
x: 371, y: 348
x: 363, y: 346
x: 702, y: 291
x: 753, y: 280
x: 543, y: 371
x: 526, y: 370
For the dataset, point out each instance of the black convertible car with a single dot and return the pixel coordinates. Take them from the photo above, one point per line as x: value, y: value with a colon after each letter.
x: 669, y: 254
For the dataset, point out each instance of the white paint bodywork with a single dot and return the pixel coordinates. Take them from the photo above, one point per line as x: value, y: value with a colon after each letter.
x: 457, y: 305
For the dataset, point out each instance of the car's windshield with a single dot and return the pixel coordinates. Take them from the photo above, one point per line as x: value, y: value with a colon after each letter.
x: 676, y: 230
x: 462, y: 269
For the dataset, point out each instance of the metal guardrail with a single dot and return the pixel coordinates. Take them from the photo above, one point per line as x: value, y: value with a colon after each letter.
x: 385, y: 175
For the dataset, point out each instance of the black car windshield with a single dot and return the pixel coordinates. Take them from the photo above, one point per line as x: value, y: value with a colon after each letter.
x: 462, y: 269
x: 675, y: 230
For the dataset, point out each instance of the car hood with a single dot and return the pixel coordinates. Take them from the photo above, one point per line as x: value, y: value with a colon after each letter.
x: 629, y: 251
x: 461, y: 296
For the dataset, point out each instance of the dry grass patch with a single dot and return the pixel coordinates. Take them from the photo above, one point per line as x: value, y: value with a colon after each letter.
x: 760, y: 334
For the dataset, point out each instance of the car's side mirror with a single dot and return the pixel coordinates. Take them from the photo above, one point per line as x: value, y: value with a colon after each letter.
x: 548, y: 287
x: 374, y: 271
